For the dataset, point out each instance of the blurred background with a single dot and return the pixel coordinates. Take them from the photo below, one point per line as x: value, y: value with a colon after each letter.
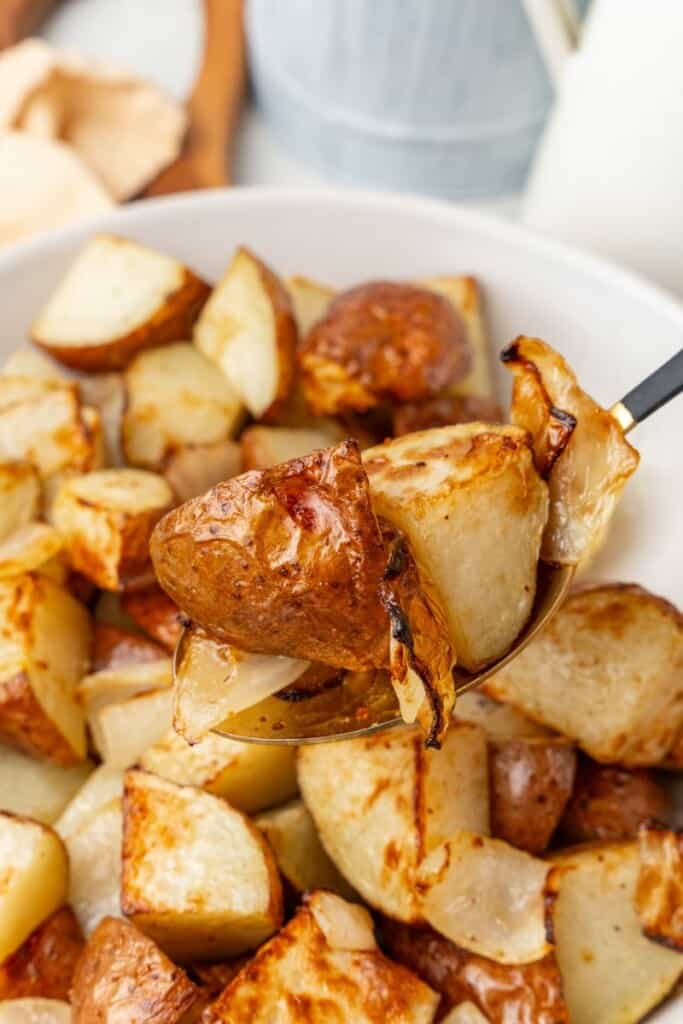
x: 565, y: 114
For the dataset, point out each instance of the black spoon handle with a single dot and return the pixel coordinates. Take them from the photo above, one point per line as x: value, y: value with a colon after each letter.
x: 656, y: 390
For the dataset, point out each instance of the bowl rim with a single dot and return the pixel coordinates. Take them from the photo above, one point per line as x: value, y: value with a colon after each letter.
x: 486, y: 224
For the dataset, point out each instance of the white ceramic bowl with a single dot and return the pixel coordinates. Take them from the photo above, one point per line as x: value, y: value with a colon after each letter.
x: 612, y: 327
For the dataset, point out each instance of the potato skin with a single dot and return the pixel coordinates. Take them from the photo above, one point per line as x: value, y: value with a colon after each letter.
x: 123, y: 975
x: 25, y: 725
x: 156, y: 614
x: 443, y: 411
x: 609, y: 803
x: 113, y: 647
x: 531, y: 782
x: 506, y: 994
x: 286, y: 560
x: 382, y: 341
x: 44, y: 964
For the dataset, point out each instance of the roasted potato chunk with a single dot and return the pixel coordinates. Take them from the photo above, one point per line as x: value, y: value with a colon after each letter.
x: 123, y: 975
x: 659, y: 889
x: 382, y: 342
x: 28, y: 548
x: 250, y: 776
x: 587, y: 462
x: 381, y: 803
x: 465, y: 295
x: 92, y: 835
x: 116, y: 298
x: 296, y: 555
x: 35, y: 1011
x: 155, y: 614
x: 100, y: 788
x: 486, y: 896
x: 45, y: 639
x: 111, y: 686
x: 504, y: 992
x: 444, y: 411
x: 38, y: 789
x: 263, y: 447
x: 531, y: 781
x: 114, y: 647
x: 19, y: 496
x: 227, y: 899
x: 41, y: 422
x: 106, y: 519
x: 611, y: 972
x: 248, y: 329
x: 105, y: 393
x: 610, y: 802
x: 33, y: 880
x: 121, y: 731
x: 607, y: 671
x: 465, y: 1013
x: 473, y: 509
x: 326, y: 961
x: 44, y: 964
x: 193, y: 469
x: 310, y: 301
x: 499, y: 721
x: 175, y: 397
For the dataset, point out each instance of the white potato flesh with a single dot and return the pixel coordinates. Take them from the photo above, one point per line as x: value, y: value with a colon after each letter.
x: 28, y: 548
x: 473, y: 508
x: 35, y: 1011
x: 19, y: 496
x: 465, y: 295
x: 380, y: 804
x: 26, y: 362
x: 300, y: 855
x: 175, y: 396
x: 263, y: 447
x: 104, y: 785
x: 499, y: 721
x: 610, y: 972
x: 106, y: 519
x: 325, y: 959
x: 41, y: 422
x: 94, y: 427
x: 193, y: 469
x: 113, y: 685
x: 33, y: 878
x: 487, y: 897
x: 250, y: 776
x: 123, y: 730
x: 198, y: 877
x: 106, y: 393
x: 310, y: 300
x: 465, y: 1013
x: 607, y: 671
x: 94, y: 850
x: 45, y: 640
x: 38, y: 789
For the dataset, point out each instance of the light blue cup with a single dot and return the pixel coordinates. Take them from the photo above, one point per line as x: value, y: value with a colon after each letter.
x: 444, y: 97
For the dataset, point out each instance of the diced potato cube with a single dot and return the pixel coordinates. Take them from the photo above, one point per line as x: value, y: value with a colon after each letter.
x: 45, y: 639
x: 33, y: 878
x: 607, y: 671
x: 94, y: 848
x: 117, y: 648
x: 310, y: 300
x: 123, y: 730
x: 28, y: 548
x: 44, y: 964
x: 19, y: 496
x: 38, y: 789
x: 106, y: 519
x: 102, y: 786
x: 499, y: 721
x: 174, y: 397
x: 380, y: 804
x: 105, y: 392
x: 198, y: 877
x: 193, y: 469
x: 465, y: 294
x: 113, y: 685
x: 659, y: 890
x: 116, y: 298
x: 155, y: 614
x: 41, y: 422
x: 611, y: 802
x: 267, y: 446
x: 473, y: 508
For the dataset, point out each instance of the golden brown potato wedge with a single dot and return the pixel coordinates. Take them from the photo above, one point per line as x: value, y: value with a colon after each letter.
x: 41, y: 422
x: 296, y: 554
x: 248, y: 329
x: 93, y: 842
x: 116, y: 298
x: 110, y: 686
x: 197, y: 876
x: 587, y: 464
x: 123, y: 975
x: 193, y: 469
x: 300, y: 856
x: 607, y: 671
x: 380, y: 342
x: 659, y: 889
x: 263, y: 447
x: 443, y: 411
x: 33, y: 879
x: 611, y: 972
x: 114, y: 647
x: 486, y: 896
x: 326, y: 961
x: 473, y: 508
x: 499, y: 721
x: 121, y: 731
x: 45, y: 962
x: 38, y: 789
x: 35, y: 1011
x: 250, y: 776
x: 106, y: 519
x: 504, y: 992
x: 175, y: 397
x: 19, y: 496
x: 381, y: 803
x: 610, y: 802
x: 45, y: 641
x: 531, y: 782
x: 28, y: 548
x: 155, y: 614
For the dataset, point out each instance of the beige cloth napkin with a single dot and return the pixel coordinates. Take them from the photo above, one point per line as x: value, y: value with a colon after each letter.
x: 75, y: 137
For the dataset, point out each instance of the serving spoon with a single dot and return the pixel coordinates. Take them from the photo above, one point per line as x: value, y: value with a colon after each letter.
x: 357, y: 707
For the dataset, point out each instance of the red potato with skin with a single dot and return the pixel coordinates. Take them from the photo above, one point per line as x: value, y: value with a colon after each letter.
x: 156, y: 614
x: 443, y: 411
x: 114, y: 647
x: 610, y: 803
x: 44, y: 964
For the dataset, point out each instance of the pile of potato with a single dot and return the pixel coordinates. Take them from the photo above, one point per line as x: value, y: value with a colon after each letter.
x: 524, y: 868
